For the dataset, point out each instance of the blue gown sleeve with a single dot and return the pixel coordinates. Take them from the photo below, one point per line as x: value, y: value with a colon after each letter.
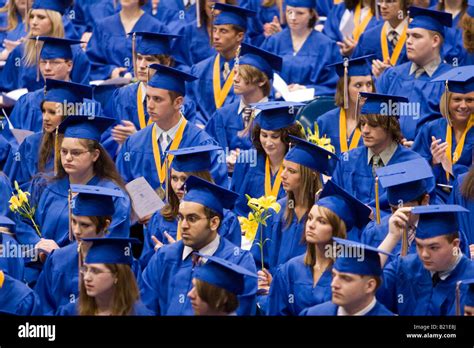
x: 387, y: 293
x: 151, y: 276
x: 29, y: 305
x: 11, y: 70
x: 82, y: 67
x: 97, y: 55
x: 43, y: 288
x: 278, y: 295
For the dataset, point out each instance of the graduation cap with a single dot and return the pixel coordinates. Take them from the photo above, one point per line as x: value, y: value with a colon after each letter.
x: 170, y: 79
x: 301, y: 3
x: 310, y: 155
x: 382, y: 104
x: 53, y: 5
x: 7, y: 225
x: 63, y: 91
x: 458, y: 80
x: 84, y: 127
x: 55, y: 47
x: 470, y: 8
x: 193, y: 159
x: 358, y: 258
x: 405, y: 181
x: 112, y: 250
x: 209, y: 195
x: 94, y: 200
x: 222, y: 274
x: 429, y: 19
x: 260, y: 59
x: 437, y: 220
x: 231, y: 14
x: 352, y: 211
x: 276, y: 115
x: 154, y: 43
x: 352, y: 67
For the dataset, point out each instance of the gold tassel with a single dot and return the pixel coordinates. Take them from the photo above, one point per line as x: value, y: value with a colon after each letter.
x: 69, y: 202
x: 282, y: 13
x: 134, y: 54
x: 458, y: 298
x: 404, y: 251
x: 80, y: 262
x: 56, y: 156
x: 377, y: 12
x: 198, y: 13
x: 37, y: 60
x: 445, y: 101
x: 167, y: 178
x: 346, y: 83
x: 377, y: 201
x: 212, y: 25
x: 356, y: 111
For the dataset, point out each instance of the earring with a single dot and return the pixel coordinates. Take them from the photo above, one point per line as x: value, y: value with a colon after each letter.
x: 115, y: 281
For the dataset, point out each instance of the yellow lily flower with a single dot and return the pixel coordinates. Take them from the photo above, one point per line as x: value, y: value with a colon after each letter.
x: 14, y: 203
x: 269, y: 202
x: 249, y: 226
x: 23, y: 197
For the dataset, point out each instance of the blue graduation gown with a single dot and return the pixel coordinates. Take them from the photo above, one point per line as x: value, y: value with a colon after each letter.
x: 195, y: 43
x: 26, y: 113
x: 17, y: 298
x: 172, y: 12
x: 16, y: 75
x: 15, y: 34
x: 330, y: 309
x: 294, y: 280
x: 139, y: 309
x: 88, y: 13
x: 123, y: 106
x: 52, y: 212
x: 158, y: 225
x: 466, y: 220
x: 10, y: 263
x: 374, y: 235
x: 354, y: 174
x: 437, y: 128
x: 328, y: 124
x: 58, y: 283
x: 6, y: 192
x: 202, y: 90
x: 224, y: 126
x: 109, y: 48
x: 331, y: 26
x: 308, y: 66
x: 22, y: 165
x: 407, y: 288
x: 248, y: 179
x: 369, y: 43
x: 167, y: 279
x: 136, y: 155
x: 285, y: 241
x: 420, y: 91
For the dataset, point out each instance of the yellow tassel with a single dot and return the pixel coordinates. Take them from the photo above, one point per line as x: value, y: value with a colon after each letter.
x: 404, y: 251
x: 377, y: 201
x: 198, y: 13
x: 2, y: 278
x: 134, y: 54
x: 69, y: 202
x: 37, y: 60
x: 56, y: 156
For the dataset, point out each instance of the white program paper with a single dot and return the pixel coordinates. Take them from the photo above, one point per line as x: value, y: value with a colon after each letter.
x: 300, y: 95
x: 145, y: 200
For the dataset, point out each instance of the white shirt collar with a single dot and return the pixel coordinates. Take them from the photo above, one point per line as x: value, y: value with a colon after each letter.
x: 242, y: 105
x: 209, y: 249
x: 430, y: 68
x: 143, y: 87
x: 364, y: 311
x: 399, y: 28
x: 171, y: 132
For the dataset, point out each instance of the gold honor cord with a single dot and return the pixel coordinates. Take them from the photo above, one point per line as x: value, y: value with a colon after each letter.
x: 359, y: 27
x: 459, y: 147
x: 343, y: 133
x: 161, y: 168
x: 269, y: 190
x: 140, y: 108
x: 220, y: 94
x: 398, y: 47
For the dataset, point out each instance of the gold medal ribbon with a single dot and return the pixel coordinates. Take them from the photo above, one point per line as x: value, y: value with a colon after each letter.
x: 359, y: 27
x: 398, y: 47
x: 220, y: 94
x: 343, y: 133
x: 140, y: 109
x: 459, y: 147
x: 269, y: 190
x: 160, y: 168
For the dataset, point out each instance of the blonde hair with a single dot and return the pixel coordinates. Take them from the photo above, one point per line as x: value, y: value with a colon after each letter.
x: 32, y: 48
x: 125, y: 296
x: 310, y: 184
x: 254, y: 76
x: 11, y: 9
x: 444, y: 104
x: 339, y: 230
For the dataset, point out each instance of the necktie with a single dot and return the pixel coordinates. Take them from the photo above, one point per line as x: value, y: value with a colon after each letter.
x: 419, y: 72
x: 164, y: 141
x: 393, y: 38
x: 435, y: 279
x: 196, y: 258
x: 411, y: 234
x: 376, y: 163
x: 246, y: 114
x: 226, y: 70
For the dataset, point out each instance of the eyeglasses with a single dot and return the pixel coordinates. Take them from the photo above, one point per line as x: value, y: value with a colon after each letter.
x: 387, y: 2
x: 73, y: 153
x: 192, y: 218
x: 54, y: 63
x: 94, y: 271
